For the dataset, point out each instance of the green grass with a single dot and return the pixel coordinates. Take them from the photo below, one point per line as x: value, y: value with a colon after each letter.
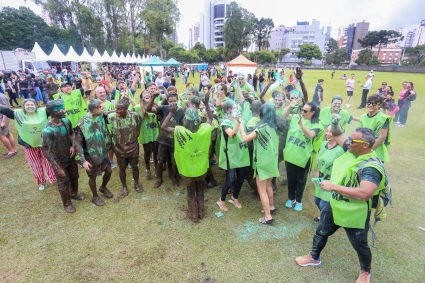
x: 148, y: 238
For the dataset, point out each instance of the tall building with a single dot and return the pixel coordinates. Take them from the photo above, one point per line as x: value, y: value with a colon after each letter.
x: 302, y: 33
x: 212, y: 23
x: 409, y: 38
x: 46, y: 17
x: 403, y: 32
x: 276, y: 37
x: 173, y: 37
x: 387, y: 56
x: 419, y: 38
x: 354, y: 33
x: 342, y: 31
x: 193, y: 35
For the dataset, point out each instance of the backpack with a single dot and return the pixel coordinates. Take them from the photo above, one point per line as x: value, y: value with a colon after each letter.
x: 379, y: 201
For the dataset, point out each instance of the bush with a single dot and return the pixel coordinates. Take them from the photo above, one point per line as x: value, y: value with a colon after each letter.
x: 307, y: 62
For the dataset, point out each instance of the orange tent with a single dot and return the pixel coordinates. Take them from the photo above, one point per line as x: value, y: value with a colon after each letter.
x: 241, y: 61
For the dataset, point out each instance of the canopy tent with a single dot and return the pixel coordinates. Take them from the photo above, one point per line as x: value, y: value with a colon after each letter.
x: 85, y: 56
x: 121, y: 58
x: 72, y: 56
x: 133, y: 59
x: 173, y: 62
x: 138, y: 59
x: 106, y: 57
x: 128, y: 58
x: 96, y: 58
x: 155, y: 63
x: 114, y: 57
x: 39, y: 53
x: 56, y: 55
x: 241, y: 65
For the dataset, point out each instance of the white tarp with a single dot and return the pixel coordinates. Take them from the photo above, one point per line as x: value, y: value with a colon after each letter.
x: 72, y: 56
x: 96, y: 58
x: 242, y: 70
x: 85, y: 56
x: 39, y: 53
x: 121, y: 58
x: 114, y: 57
x: 56, y: 55
x: 106, y: 57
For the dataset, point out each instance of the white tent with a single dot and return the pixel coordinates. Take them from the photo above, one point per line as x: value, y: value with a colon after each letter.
x: 138, y: 59
x: 121, y: 58
x: 133, y: 59
x: 72, y: 56
x: 127, y: 58
x: 96, y: 57
x: 85, y: 56
x: 106, y: 57
x: 144, y: 58
x: 114, y: 57
x: 56, y: 55
x: 39, y: 53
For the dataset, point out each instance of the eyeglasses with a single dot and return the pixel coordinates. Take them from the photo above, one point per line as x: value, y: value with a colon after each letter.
x: 350, y: 139
x: 373, y: 103
x: 305, y: 111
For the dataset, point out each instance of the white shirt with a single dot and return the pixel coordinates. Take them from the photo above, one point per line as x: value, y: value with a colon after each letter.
x: 159, y: 81
x: 350, y: 85
x: 368, y: 84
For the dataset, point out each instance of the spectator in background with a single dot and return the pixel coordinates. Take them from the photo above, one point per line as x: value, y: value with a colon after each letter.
x: 318, y: 93
x: 12, y: 88
x: 349, y: 84
x: 255, y: 81
x: 249, y: 79
x: 261, y: 82
x: 6, y: 136
x: 366, y: 88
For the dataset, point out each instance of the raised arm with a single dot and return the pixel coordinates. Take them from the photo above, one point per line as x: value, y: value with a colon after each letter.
x: 245, y: 137
x: 337, y: 131
x: 7, y: 112
x: 136, y: 79
x: 263, y: 93
x: 293, y: 104
x: 164, y: 126
x: 150, y: 107
x: 107, y: 79
x: 207, y: 108
x: 299, y: 76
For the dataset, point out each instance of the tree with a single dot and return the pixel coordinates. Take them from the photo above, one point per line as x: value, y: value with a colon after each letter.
x: 238, y: 27
x: 211, y: 56
x: 374, y: 61
x: 415, y: 54
x: 340, y: 55
x: 309, y: 51
x: 200, y: 49
x: 329, y: 59
x: 332, y: 45
x: 364, y: 56
x: 262, y: 29
x: 382, y: 37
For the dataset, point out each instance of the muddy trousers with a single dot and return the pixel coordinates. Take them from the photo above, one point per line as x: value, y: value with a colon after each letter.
x: 195, y: 196
x: 68, y: 185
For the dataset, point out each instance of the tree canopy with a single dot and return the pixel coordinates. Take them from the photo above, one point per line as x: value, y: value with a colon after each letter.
x: 415, y: 54
x: 309, y: 51
x: 380, y: 38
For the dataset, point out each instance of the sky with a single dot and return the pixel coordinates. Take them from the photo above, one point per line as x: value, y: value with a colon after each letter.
x: 389, y: 14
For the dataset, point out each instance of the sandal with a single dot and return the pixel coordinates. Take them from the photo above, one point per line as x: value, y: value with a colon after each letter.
x: 157, y: 183
x: 10, y: 155
x: 263, y: 220
x: 272, y: 211
x: 237, y: 205
x: 222, y: 206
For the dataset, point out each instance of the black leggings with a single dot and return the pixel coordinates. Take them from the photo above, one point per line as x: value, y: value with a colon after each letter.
x: 237, y: 174
x: 12, y: 97
x: 297, y: 178
x: 148, y: 149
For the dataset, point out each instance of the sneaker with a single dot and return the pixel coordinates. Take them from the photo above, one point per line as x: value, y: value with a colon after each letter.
x: 298, y: 206
x: 97, y: 201
x: 41, y: 187
x: 401, y: 125
x: 364, y: 277
x: 347, y: 105
x: 308, y: 260
x: 398, y: 123
x: 289, y: 203
x: 113, y: 165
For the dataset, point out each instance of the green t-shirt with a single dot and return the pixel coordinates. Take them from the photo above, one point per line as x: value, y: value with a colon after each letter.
x: 326, y: 117
x: 149, y: 129
x: 191, y: 150
x: 30, y: 127
x: 74, y: 104
x: 266, y: 153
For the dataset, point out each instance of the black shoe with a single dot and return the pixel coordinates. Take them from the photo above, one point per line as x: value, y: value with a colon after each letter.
x: 360, y: 107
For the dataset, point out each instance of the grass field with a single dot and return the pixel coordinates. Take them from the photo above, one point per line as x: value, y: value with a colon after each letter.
x: 148, y: 238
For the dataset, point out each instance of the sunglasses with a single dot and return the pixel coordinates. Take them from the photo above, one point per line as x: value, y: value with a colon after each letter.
x: 356, y: 141
x: 373, y: 103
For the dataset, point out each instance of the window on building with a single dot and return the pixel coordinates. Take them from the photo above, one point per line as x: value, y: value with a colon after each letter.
x: 219, y: 11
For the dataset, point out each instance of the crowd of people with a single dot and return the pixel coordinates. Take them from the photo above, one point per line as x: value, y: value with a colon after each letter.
x: 91, y: 124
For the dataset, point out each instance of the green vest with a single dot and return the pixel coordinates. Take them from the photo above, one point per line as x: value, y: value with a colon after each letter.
x: 30, y: 127
x: 220, y: 112
x: 348, y: 212
x: 325, y: 160
x: 326, y: 116
x: 236, y: 149
x: 375, y: 124
x: 266, y: 153
x: 149, y: 130
x: 299, y: 149
x: 74, y: 104
x: 109, y: 106
x: 97, y: 138
x: 245, y: 109
x: 191, y: 150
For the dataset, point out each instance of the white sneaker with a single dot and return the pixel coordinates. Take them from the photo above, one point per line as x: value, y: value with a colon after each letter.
x: 348, y: 105
x: 41, y: 187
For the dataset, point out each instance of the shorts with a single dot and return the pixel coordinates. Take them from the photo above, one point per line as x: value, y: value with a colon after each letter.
x: 349, y: 93
x: 97, y: 170
x: 163, y: 150
x: 5, y: 131
x: 123, y: 161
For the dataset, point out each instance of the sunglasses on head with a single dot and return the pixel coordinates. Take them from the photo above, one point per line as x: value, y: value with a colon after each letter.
x: 356, y: 141
x: 373, y: 103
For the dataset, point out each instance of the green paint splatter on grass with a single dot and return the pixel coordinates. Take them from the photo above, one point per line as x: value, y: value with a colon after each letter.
x: 253, y: 231
x: 144, y: 198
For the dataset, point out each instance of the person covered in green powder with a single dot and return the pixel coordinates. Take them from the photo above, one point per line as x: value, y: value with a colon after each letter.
x: 192, y: 142
x: 380, y: 124
x: 221, y: 90
x: 73, y: 100
x: 93, y: 142
x: 326, y: 113
x: 351, y: 199
x: 234, y: 155
x: 303, y: 141
x: 123, y: 92
x: 265, y: 158
x: 328, y: 152
x: 124, y: 128
x: 242, y: 85
x: 29, y: 123
x: 59, y: 149
x: 244, y: 99
x: 149, y: 132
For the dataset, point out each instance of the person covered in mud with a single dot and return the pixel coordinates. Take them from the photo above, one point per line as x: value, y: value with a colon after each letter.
x: 125, y: 130
x: 192, y: 142
x: 59, y: 149
x: 165, y: 140
x: 93, y: 142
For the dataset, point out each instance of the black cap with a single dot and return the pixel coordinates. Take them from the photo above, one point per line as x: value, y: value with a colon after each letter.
x: 65, y: 83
